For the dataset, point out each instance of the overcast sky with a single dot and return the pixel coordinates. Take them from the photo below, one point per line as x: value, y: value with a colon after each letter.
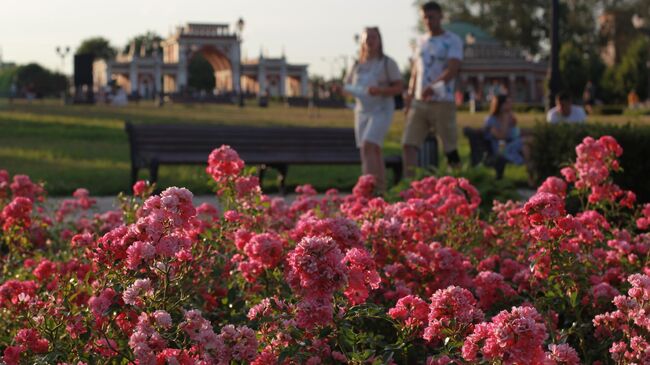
x: 316, y: 32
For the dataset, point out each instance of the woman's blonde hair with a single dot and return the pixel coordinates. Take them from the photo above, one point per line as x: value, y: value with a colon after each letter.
x: 363, y: 52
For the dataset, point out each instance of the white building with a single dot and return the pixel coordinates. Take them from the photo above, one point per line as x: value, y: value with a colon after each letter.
x: 489, y: 64
x: 167, y: 70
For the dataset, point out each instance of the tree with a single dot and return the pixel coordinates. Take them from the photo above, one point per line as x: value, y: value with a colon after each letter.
x: 201, y: 73
x: 525, y: 24
x: 577, y: 23
x: 40, y: 80
x: 574, y: 70
x: 521, y: 24
x: 98, y: 46
x: 151, y: 40
x: 632, y: 72
x: 7, y: 77
x: 609, y: 89
x: 595, y: 70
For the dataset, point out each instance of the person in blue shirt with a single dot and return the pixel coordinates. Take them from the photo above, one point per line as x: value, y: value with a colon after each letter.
x: 501, y: 131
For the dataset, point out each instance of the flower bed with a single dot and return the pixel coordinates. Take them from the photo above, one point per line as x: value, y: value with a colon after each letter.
x: 560, y: 279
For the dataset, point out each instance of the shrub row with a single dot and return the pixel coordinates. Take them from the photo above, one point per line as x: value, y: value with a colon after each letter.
x: 554, y: 147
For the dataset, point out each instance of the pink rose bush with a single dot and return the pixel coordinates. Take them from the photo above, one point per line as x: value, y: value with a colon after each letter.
x: 562, y: 278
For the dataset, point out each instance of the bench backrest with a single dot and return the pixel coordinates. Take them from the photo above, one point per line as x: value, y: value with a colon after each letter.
x: 253, y: 144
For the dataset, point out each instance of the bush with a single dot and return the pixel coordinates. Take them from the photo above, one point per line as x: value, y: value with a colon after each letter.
x: 528, y: 108
x: 328, y: 279
x: 637, y: 112
x: 553, y: 148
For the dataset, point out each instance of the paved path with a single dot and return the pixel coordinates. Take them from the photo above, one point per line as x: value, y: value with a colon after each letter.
x: 105, y: 203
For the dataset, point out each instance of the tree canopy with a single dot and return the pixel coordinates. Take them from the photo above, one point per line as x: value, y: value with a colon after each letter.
x: 40, y: 80
x: 200, y: 74
x: 151, y: 40
x: 98, y: 46
x: 526, y: 24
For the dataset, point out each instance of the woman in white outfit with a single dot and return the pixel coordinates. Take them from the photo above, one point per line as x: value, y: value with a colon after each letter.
x: 374, y: 81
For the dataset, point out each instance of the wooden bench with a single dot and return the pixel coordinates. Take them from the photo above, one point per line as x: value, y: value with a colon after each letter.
x: 481, y: 150
x: 153, y: 145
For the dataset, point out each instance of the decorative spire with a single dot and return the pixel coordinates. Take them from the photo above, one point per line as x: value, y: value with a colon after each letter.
x: 132, y: 52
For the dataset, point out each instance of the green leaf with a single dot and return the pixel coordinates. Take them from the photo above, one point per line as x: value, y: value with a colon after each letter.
x: 573, y: 299
x: 325, y: 332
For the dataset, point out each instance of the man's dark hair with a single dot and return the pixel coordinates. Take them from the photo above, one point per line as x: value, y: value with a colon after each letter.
x: 564, y: 96
x: 431, y: 6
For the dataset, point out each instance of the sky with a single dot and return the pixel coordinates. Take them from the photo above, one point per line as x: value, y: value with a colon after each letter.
x: 316, y: 32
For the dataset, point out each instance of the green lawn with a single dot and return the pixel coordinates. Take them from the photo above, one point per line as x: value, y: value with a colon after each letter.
x: 86, y: 146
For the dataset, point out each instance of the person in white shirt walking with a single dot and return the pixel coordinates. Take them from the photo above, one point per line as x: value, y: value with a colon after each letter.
x: 374, y: 80
x: 430, y: 101
x: 564, y: 111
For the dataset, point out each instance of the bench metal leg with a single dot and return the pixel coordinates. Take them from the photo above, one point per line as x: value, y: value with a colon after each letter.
x: 134, y: 174
x: 500, y: 166
x: 261, y: 173
x: 397, y: 173
x: 153, y: 171
x: 282, y: 176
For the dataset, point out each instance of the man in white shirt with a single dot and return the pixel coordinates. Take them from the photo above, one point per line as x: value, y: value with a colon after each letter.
x: 430, y: 102
x: 565, y: 112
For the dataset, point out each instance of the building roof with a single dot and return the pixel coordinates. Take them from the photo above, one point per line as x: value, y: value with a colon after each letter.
x: 484, y: 52
x: 466, y: 30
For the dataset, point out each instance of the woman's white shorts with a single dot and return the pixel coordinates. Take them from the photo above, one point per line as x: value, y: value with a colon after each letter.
x: 372, y: 126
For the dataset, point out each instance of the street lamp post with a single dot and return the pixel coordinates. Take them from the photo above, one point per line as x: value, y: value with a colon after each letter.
x: 240, y: 30
x: 642, y: 25
x: 63, y: 53
x: 344, y: 63
x: 554, y: 80
x: 647, y: 92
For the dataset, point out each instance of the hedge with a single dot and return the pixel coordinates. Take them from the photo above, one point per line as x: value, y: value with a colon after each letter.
x: 554, y: 146
x: 610, y: 109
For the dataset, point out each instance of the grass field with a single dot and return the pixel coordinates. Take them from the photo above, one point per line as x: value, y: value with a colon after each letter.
x: 86, y: 146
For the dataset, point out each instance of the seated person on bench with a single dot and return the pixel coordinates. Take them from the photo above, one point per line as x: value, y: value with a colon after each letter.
x: 502, y: 133
x: 564, y: 110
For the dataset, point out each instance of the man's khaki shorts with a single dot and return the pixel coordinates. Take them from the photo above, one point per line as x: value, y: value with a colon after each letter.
x: 438, y: 118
